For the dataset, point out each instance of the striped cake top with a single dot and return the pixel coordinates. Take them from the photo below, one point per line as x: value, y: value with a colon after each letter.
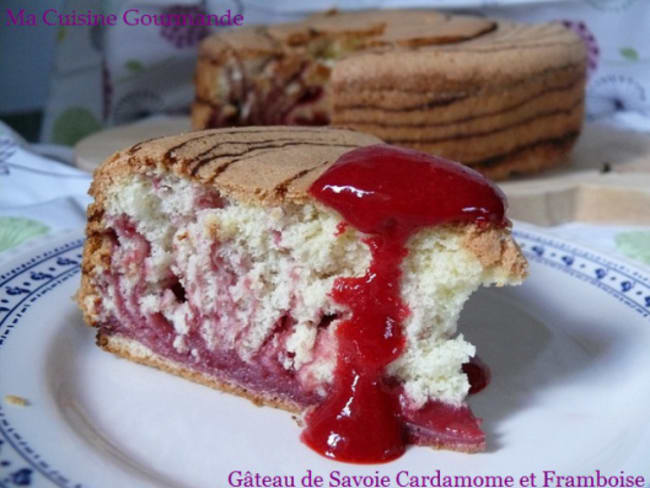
x: 263, y: 164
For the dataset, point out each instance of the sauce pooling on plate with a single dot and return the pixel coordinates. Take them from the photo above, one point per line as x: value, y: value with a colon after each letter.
x: 387, y: 193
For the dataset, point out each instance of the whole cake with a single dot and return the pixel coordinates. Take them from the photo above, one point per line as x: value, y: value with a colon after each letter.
x: 311, y: 269
x: 499, y: 96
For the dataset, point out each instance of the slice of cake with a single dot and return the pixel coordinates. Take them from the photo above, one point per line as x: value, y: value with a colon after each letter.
x: 315, y: 270
x: 502, y: 97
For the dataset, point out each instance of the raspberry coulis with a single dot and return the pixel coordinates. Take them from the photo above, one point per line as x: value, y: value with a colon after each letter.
x: 388, y: 193
x: 477, y: 373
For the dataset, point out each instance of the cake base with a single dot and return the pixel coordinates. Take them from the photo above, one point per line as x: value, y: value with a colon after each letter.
x: 136, y: 352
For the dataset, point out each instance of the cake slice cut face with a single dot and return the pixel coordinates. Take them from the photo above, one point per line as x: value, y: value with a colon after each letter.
x: 315, y: 270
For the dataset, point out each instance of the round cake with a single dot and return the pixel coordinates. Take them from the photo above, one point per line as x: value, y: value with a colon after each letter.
x: 501, y: 97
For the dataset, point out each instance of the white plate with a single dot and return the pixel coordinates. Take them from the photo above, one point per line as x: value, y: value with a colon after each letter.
x: 570, y: 389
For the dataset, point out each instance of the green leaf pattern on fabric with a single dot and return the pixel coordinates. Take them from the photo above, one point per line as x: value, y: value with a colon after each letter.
x: 635, y: 245
x: 134, y: 66
x: 74, y: 124
x: 15, y: 230
x: 629, y: 53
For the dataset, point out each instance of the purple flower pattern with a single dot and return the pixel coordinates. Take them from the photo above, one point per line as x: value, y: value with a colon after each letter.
x: 593, y: 51
x: 182, y: 36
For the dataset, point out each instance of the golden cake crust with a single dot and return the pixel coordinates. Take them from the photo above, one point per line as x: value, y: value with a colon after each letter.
x: 470, y: 89
x: 253, y: 164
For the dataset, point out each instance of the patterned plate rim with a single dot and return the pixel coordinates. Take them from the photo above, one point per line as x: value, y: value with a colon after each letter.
x: 37, y: 274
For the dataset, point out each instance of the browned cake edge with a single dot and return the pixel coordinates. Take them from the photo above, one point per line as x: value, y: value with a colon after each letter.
x: 535, y: 158
x: 135, y: 351
x: 261, y: 165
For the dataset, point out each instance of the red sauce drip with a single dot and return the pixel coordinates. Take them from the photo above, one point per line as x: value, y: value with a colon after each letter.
x: 478, y: 374
x: 448, y: 426
x: 340, y: 228
x: 388, y: 193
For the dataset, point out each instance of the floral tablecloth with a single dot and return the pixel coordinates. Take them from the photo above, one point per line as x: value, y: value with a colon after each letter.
x: 41, y: 196
x: 113, y: 75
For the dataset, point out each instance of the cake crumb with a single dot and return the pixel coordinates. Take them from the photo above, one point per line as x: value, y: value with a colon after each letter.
x: 298, y: 420
x: 16, y: 400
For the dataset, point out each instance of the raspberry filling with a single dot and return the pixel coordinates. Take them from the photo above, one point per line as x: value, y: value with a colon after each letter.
x: 363, y: 419
x: 263, y: 372
x: 283, y: 93
x: 126, y: 283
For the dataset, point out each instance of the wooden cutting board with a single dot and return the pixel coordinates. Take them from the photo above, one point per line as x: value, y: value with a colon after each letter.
x: 605, y: 180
